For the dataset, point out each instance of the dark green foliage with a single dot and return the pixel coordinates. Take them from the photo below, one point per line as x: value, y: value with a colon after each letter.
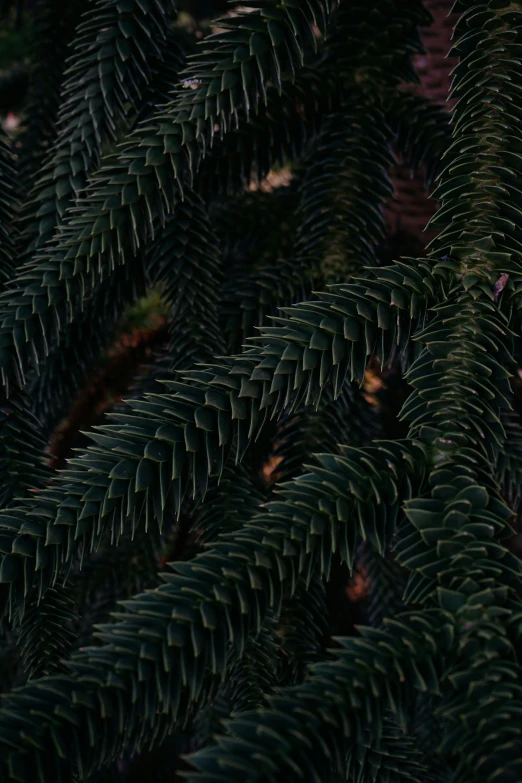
x: 186, y: 265
x: 397, y: 758
x: 115, y: 49
x: 46, y: 633
x: 22, y: 465
x: 114, y: 573
x: 171, y: 590
x: 386, y: 584
x: 258, y: 276
x: 135, y: 189
x: 316, y: 709
x: 304, y: 619
x: 8, y: 208
x: 420, y: 130
x: 347, y: 419
x: 69, y: 362
x: 348, y: 168
x: 327, y: 522
x: 52, y: 34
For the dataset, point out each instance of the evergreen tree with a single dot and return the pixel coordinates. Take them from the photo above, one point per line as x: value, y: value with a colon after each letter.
x: 292, y: 553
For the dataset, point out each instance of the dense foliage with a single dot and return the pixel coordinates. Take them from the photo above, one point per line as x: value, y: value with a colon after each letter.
x: 291, y: 555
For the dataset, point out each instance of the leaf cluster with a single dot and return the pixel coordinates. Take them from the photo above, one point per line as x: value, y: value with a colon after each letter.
x: 172, y: 588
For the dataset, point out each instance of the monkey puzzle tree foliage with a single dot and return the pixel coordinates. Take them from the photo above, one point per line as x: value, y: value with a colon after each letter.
x: 163, y: 602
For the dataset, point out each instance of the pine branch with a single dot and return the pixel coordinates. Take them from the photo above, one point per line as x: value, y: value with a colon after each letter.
x: 338, y: 215
x: 110, y: 66
x: 386, y: 585
x: 471, y: 508
x: 124, y: 197
x: 304, y: 627
x: 252, y: 678
x: 358, y: 38
x: 454, y: 542
x: 422, y: 132
x: 509, y: 464
x: 82, y: 342
x: 46, y: 633
x: 67, y: 367
x: 258, y: 277
x: 372, y: 43
x: 338, y: 177
x: 8, y: 209
x: 462, y: 365
x: 116, y: 573
x: 304, y: 617
x: 346, y: 184
x: 396, y: 759
x: 150, y: 81
x: 9, y: 661
x: 227, y: 505
x: 346, y: 420
x: 308, y: 728
x: 22, y: 452
x: 328, y: 511
x: 53, y: 34
x: 174, y: 441
x: 21, y: 444
x: 279, y: 133
x: 177, y: 440
x: 449, y: 320
x: 186, y: 265
x: 249, y: 681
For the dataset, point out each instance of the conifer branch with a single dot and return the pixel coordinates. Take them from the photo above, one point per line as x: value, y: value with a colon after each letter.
x: 432, y: 692
x: 311, y: 726
x: 329, y: 512
x: 148, y: 175
x: 53, y: 34
x: 172, y: 442
x: 109, y: 68
x: 46, y: 633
